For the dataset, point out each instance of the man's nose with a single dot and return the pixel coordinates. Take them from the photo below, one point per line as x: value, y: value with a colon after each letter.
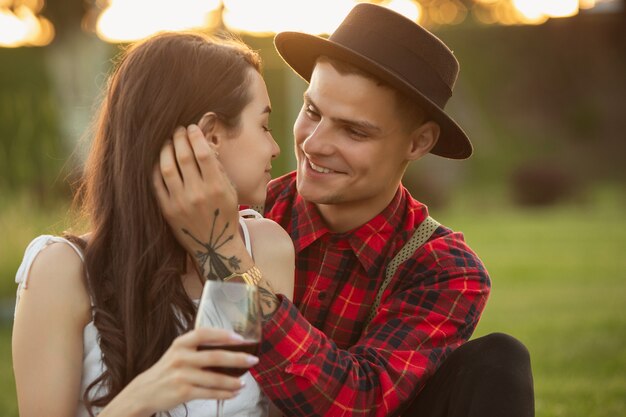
x: 319, y: 140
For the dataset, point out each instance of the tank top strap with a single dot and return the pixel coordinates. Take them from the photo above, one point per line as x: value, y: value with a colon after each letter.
x: 243, y: 214
x: 32, y: 250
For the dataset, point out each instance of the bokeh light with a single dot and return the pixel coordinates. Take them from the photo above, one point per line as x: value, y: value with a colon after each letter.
x: 21, y: 26
x: 272, y: 16
x: 538, y: 9
x: 407, y: 8
x: 128, y: 20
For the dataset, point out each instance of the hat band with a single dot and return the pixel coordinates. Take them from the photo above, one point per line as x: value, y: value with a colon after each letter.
x: 403, y: 62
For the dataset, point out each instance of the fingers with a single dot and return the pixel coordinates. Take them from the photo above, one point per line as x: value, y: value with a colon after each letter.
x: 169, y: 170
x: 204, y: 153
x: 191, y: 384
x: 222, y: 358
x: 213, y: 380
x: 203, y: 359
x: 159, y: 186
x: 190, y: 342
x: 209, y: 394
x: 207, y: 336
x: 192, y: 366
x: 185, y: 156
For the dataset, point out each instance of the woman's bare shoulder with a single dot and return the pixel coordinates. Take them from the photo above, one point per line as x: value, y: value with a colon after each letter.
x: 267, y: 232
x: 273, y: 253
x: 57, y: 278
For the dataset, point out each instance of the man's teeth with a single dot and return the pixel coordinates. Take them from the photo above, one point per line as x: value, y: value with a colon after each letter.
x: 320, y: 169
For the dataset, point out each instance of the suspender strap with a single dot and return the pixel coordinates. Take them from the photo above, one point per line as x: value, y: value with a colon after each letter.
x: 420, y: 236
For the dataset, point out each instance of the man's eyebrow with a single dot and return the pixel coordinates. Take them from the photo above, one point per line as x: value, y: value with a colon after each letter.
x: 267, y: 109
x: 362, y: 124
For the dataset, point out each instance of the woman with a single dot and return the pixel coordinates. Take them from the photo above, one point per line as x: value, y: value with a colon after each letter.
x: 103, y: 320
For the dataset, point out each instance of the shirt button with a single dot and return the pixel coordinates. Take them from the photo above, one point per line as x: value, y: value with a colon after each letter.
x: 321, y: 296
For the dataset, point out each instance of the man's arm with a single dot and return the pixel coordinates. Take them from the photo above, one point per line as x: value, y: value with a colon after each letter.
x: 418, y: 324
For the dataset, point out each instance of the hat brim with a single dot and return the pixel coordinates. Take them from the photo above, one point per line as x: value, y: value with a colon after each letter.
x: 300, y: 51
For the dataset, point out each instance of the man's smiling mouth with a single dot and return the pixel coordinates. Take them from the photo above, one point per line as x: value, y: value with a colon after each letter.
x: 320, y: 169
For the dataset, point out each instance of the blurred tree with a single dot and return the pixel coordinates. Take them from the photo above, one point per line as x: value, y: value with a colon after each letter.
x: 66, y: 16
x: 75, y: 61
x: 46, y: 101
x: 31, y: 153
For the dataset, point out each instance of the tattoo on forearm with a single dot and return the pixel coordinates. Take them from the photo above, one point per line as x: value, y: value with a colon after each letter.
x: 217, y: 268
x: 269, y: 303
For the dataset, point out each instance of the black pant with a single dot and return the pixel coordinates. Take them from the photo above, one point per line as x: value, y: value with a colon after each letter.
x: 486, y: 377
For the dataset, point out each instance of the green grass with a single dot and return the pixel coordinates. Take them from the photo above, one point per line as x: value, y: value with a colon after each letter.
x: 559, y: 285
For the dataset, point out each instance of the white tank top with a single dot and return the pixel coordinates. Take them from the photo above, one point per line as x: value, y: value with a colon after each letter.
x: 249, y: 403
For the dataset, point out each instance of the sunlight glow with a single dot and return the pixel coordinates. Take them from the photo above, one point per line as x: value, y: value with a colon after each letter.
x: 12, y: 29
x: 127, y: 20
x: 130, y: 20
x: 407, y: 8
x: 587, y: 4
x: 563, y: 8
x: 21, y: 26
x: 272, y: 16
x: 535, y: 10
x: 447, y: 12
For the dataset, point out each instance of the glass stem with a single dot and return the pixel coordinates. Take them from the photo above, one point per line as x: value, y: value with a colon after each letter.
x: 220, y: 408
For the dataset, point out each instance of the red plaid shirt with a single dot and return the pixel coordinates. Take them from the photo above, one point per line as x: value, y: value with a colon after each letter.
x: 317, y: 356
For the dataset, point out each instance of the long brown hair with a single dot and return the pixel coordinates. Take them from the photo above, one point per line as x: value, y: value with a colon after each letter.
x: 132, y: 260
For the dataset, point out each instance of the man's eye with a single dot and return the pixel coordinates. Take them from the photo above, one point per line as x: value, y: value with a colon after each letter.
x: 311, y: 112
x: 356, y: 133
x: 267, y: 128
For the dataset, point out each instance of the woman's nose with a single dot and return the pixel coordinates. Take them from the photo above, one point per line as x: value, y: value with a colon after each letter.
x: 275, y: 148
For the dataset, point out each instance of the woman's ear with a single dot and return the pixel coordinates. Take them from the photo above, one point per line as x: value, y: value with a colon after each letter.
x: 211, y: 127
x: 423, y: 139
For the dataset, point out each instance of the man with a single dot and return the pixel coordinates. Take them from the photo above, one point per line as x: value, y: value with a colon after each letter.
x: 369, y: 333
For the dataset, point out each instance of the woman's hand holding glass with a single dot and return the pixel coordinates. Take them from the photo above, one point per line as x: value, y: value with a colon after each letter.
x: 233, y: 306
x: 183, y: 374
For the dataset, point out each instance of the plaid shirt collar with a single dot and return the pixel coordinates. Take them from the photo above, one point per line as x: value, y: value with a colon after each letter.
x: 367, y: 241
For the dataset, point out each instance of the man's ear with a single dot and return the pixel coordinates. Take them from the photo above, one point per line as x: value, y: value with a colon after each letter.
x: 211, y: 127
x: 423, y: 139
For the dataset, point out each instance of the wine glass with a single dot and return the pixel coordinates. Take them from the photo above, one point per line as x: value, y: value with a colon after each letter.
x: 233, y: 306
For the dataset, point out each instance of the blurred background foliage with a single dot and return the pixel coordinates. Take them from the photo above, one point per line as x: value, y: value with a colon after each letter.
x: 542, y: 200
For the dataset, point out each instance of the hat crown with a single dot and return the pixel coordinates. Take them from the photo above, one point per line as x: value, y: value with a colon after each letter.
x: 398, y: 31
x: 396, y: 45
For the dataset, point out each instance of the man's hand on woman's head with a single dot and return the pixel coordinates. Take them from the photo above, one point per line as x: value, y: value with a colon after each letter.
x: 200, y: 204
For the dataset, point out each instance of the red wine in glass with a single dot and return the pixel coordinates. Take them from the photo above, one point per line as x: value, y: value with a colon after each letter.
x: 248, y: 347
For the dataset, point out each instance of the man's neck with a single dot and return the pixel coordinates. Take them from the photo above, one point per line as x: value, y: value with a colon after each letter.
x: 341, y: 218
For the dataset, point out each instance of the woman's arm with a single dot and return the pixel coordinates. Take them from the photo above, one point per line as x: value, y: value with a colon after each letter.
x: 48, y: 351
x: 48, y: 334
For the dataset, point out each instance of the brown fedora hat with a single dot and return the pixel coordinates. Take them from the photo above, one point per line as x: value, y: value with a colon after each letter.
x: 397, y: 51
